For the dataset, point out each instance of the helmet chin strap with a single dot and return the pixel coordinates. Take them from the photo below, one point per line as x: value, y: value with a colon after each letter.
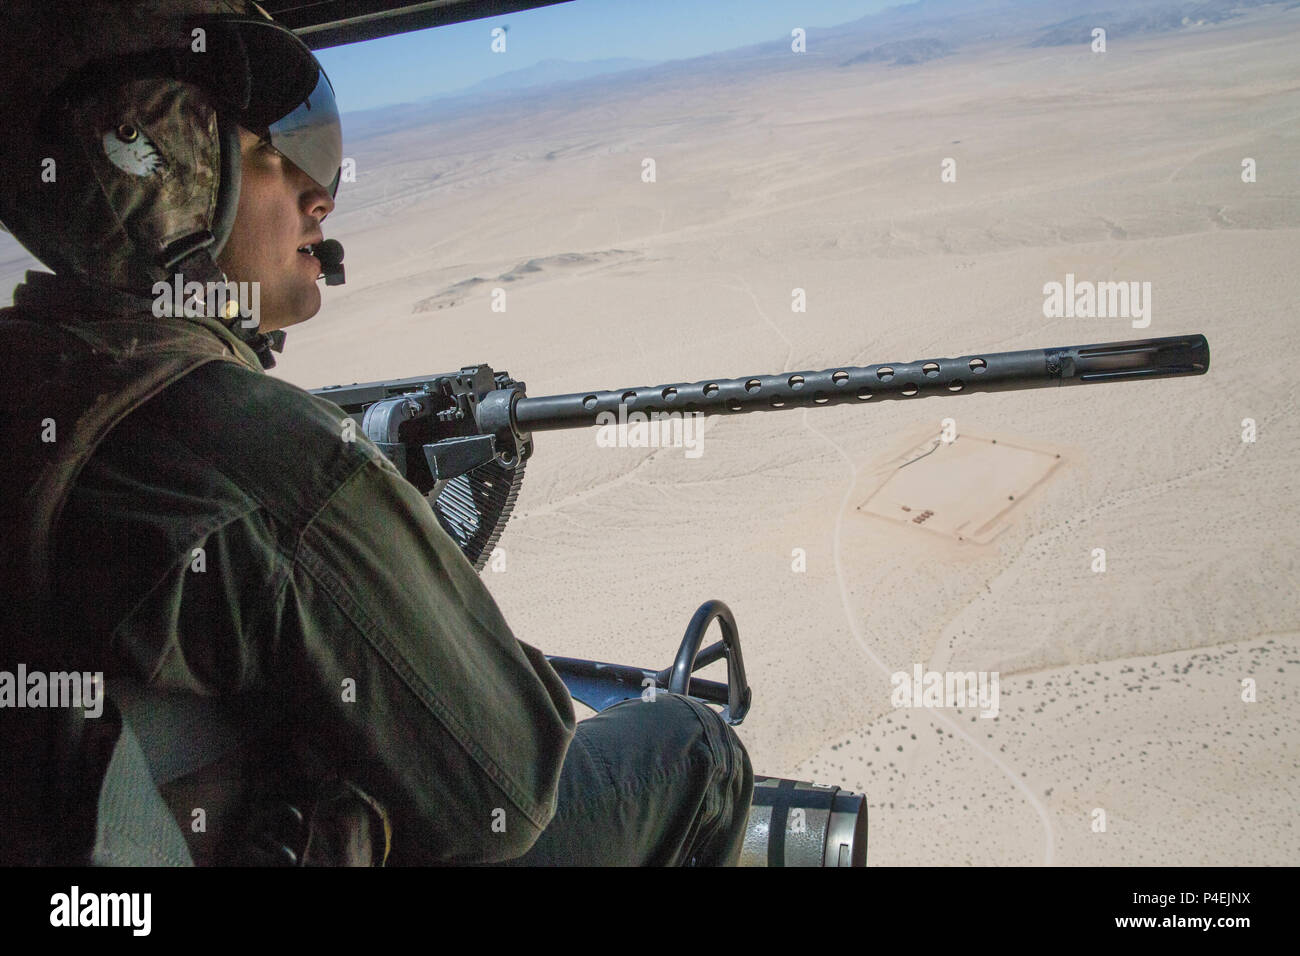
x: 192, y: 259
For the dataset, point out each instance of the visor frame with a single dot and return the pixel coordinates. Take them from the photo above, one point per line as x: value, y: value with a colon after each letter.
x: 312, y: 144
x: 291, y: 99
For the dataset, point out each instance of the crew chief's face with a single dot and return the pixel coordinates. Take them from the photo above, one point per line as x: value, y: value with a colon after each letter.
x: 280, y: 209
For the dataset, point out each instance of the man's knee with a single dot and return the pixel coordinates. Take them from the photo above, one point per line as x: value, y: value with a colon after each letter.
x: 659, y: 782
x: 677, y: 729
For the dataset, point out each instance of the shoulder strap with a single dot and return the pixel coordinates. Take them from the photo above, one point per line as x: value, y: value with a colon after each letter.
x: 133, y: 824
x: 164, y: 737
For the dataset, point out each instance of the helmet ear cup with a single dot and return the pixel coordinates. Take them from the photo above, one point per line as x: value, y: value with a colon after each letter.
x: 232, y: 165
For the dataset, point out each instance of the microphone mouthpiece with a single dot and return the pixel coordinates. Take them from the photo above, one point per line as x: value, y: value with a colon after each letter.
x: 330, y: 254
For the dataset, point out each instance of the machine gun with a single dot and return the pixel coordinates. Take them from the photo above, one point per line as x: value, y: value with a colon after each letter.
x: 463, y: 438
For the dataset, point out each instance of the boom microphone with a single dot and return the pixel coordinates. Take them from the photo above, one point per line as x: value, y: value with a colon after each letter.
x: 330, y: 254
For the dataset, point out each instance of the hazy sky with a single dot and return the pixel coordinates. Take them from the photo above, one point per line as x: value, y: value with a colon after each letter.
x: 413, y: 66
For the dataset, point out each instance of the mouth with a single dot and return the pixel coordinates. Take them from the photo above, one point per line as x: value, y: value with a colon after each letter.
x: 308, y: 259
x: 307, y: 251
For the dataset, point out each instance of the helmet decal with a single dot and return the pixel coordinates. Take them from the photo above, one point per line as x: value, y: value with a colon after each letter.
x: 143, y: 128
x: 131, y: 151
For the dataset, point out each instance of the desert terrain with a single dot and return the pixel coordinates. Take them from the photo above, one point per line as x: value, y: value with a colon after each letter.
x: 1121, y: 690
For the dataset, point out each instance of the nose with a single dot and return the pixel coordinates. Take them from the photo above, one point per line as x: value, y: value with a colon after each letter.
x: 316, y: 200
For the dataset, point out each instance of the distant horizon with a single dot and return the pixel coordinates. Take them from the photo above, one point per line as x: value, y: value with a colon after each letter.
x: 450, y: 60
x: 480, y: 87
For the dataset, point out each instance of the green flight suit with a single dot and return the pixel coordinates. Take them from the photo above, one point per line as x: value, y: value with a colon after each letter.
x: 327, y: 605
x: 206, y: 529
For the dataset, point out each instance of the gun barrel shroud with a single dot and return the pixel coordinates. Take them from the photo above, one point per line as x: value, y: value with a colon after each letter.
x: 985, y: 372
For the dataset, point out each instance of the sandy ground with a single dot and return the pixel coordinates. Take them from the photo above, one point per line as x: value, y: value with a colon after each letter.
x: 1121, y: 691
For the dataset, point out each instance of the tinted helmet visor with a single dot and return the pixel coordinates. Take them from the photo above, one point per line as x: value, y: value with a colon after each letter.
x: 310, y: 136
x: 290, y: 99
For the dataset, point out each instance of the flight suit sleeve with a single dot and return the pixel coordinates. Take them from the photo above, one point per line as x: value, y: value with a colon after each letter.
x: 412, y: 680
